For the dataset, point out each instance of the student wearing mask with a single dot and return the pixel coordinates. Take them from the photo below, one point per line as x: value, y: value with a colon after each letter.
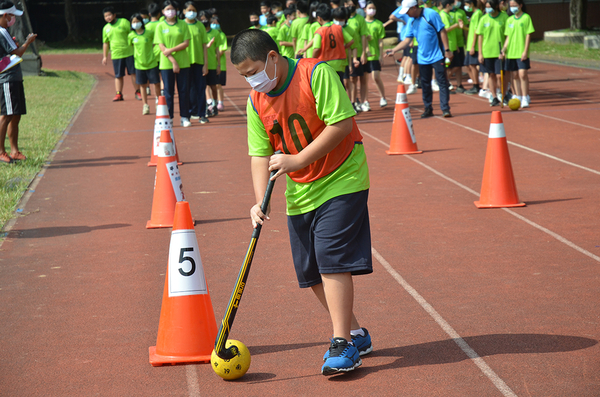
x: 265, y: 11
x: 216, y: 24
x: 198, y: 68
x: 284, y: 38
x: 472, y: 48
x: 296, y: 28
x: 214, y: 68
x: 254, y: 20
x: 375, y: 51
x: 491, y: 38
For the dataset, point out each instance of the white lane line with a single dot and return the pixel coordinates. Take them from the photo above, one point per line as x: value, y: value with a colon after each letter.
x: 192, y: 381
x: 513, y: 213
x: 235, y: 106
x: 462, y: 344
x: 564, y: 121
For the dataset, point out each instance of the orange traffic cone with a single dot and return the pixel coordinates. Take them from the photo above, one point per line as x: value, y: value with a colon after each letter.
x: 187, y: 329
x: 498, y: 187
x: 403, y: 139
x: 162, y: 122
x: 168, y: 188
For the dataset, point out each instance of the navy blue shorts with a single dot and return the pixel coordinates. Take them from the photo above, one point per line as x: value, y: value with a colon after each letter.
x: 223, y: 77
x: 491, y: 65
x: 12, y: 99
x: 458, y: 58
x: 471, y: 60
x: 406, y: 52
x: 212, y: 78
x: 413, y: 54
x: 372, y: 66
x: 358, y: 71
x: 334, y: 238
x: 514, y: 65
x: 151, y: 76
x: 120, y: 65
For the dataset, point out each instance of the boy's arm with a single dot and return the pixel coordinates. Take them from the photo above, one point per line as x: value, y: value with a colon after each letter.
x: 205, y: 66
x: 259, y: 167
x: 104, y: 52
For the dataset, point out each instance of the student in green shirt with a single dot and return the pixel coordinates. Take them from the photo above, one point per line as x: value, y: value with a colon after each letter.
x: 375, y: 52
x: 214, y: 67
x: 271, y: 28
x: 198, y: 69
x: 297, y: 26
x: 114, y: 37
x: 146, y: 64
x: 254, y: 20
x: 173, y: 37
x: 516, y: 49
x: 491, y: 36
x: 453, y: 28
x: 308, y: 31
x: 284, y: 38
x: 216, y: 24
x: 472, y: 48
x: 460, y: 15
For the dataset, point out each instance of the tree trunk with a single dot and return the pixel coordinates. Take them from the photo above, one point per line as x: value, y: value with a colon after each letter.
x: 72, y: 30
x: 578, y: 11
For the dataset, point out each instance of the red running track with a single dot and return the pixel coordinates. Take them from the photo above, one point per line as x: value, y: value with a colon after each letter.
x: 463, y: 302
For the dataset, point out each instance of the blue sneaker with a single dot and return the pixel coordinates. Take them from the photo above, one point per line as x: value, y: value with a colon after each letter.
x: 343, y: 357
x: 362, y: 343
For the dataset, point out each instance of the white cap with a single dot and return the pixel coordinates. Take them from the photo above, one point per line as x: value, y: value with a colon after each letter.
x: 12, y: 10
x: 406, y: 4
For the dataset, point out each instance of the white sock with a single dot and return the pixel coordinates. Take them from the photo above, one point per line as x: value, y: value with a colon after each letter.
x: 401, y: 73
x: 357, y: 332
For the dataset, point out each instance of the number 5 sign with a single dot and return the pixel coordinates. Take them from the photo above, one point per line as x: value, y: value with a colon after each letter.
x: 186, y: 275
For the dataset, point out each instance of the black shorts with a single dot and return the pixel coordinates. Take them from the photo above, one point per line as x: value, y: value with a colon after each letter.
x: 358, y: 71
x: 119, y: 65
x: 413, y: 54
x: 491, y: 65
x: 514, y: 65
x: 223, y: 77
x: 12, y: 99
x: 334, y: 238
x: 150, y: 76
x: 372, y: 66
x: 212, y: 78
x: 458, y: 58
x: 471, y: 60
x: 406, y: 52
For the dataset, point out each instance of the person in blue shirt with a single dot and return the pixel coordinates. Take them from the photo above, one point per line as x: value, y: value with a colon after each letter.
x: 408, y: 69
x: 265, y: 11
x: 428, y: 28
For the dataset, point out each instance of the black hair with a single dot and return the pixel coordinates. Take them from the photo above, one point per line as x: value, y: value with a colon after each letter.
x: 339, y: 13
x: 153, y: 10
x: 213, y: 11
x: 302, y: 6
x: 313, y: 8
x: 446, y: 2
x: 522, y: 4
x: 138, y: 16
x: 173, y: 3
x: 276, y: 4
x: 253, y: 44
x: 7, y: 4
x: 256, y: 13
x: 324, y: 11
x: 144, y: 11
x: 288, y: 11
x: 272, y: 18
x: 190, y: 3
x: 495, y: 4
x: 265, y: 4
x: 215, y: 19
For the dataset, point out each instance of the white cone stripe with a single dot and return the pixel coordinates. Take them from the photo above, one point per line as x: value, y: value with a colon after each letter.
x: 162, y: 110
x: 401, y: 98
x: 497, y: 131
x: 186, y: 273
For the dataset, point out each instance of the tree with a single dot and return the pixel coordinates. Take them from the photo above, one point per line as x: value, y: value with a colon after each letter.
x: 72, y: 30
x: 578, y: 12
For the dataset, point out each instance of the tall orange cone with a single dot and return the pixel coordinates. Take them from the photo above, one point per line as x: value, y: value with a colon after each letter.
x: 403, y: 139
x: 498, y: 187
x: 168, y: 188
x: 162, y: 122
x: 187, y: 328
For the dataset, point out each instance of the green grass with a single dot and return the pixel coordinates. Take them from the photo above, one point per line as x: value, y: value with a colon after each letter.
x: 572, y: 51
x: 88, y: 47
x: 52, y: 101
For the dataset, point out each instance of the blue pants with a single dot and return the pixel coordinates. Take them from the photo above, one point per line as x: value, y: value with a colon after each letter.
x: 197, y: 91
x: 440, y: 74
x: 183, y: 90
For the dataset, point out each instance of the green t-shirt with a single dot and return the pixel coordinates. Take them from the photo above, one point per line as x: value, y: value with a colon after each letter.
x: 332, y: 106
x: 460, y: 33
x: 151, y: 27
x: 223, y: 48
x: 359, y: 24
x: 308, y: 34
x: 171, y: 36
x: 448, y: 20
x: 377, y: 33
x: 296, y: 31
x: 285, y: 34
x: 116, y: 36
x: 273, y: 31
x: 197, y: 39
x: 211, y: 52
x: 339, y: 65
x: 143, y: 49
x: 517, y: 30
x: 492, y: 30
x: 473, y: 24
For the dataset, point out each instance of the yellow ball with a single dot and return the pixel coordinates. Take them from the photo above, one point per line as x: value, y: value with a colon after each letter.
x: 234, y: 368
x: 514, y: 104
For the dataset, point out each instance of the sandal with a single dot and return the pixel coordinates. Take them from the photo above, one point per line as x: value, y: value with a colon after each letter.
x: 5, y: 158
x: 18, y: 157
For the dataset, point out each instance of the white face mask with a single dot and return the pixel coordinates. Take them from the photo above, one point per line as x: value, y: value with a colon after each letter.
x: 371, y: 12
x: 341, y: 23
x: 191, y: 15
x: 136, y: 25
x: 261, y: 82
x: 169, y: 13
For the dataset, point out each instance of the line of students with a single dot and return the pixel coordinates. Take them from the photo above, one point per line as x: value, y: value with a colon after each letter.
x: 483, y: 38
x: 167, y: 47
x: 336, y: 33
